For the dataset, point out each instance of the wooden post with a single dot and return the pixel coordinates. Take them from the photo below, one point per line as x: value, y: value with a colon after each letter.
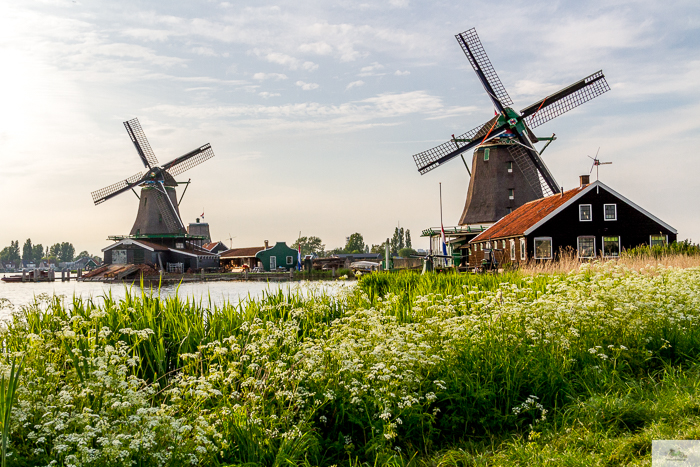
x: 80, y: 273
x: 24, y: 275
x: 333, y: 270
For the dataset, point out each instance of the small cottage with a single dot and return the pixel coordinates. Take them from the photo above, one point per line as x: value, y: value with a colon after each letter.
x: 240, y: 257
x: 592, y: 221
x: 278, y: 257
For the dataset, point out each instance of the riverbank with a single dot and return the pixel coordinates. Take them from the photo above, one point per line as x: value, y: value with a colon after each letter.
x: 582, y: 368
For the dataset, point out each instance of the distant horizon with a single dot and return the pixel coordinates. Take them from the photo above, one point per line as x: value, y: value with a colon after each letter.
x: 314, y: 110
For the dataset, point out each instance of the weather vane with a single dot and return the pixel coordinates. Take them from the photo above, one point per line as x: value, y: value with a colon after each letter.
x: 596, y: 163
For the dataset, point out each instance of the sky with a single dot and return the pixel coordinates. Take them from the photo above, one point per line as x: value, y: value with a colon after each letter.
x: 315, y: 108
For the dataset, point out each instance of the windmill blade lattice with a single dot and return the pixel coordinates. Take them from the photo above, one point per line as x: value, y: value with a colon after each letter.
x: 102, y: 195
x: 170, y: 218
x: 529, y: 171
x: 566, y: 99
x: 432, y: 158
x: 143, y: 147
x: 480, y: 62
x: 189, y: 160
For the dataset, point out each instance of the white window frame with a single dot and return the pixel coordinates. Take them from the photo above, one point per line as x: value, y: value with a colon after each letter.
x: 273, y: 262
x: 523, y: 249
x: 619, y: 245
x: 290, y: 260
x: 665, y: 239
x: 512, y: 250
x: 551, y: 247
x: 488, y: 245
x: 604, y: 215
x: 578, y: 247
x: 580, y: 212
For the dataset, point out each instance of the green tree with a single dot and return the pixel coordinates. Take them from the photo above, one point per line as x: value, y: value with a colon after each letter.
x: 408, y: 239
x: 407, y: 252
x: 55, y: 250
x: 378, y: 249
x: 27, y: 250
x: 355, y: 244
x: 83, y: 254
x: 38, y: 252
x: 11, y: 253
x: 66, y: 253
x: 310, y: 246
x: 394, y: 242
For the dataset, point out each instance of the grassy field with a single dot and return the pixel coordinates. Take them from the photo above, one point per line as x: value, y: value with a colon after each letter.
x: 581, y: 368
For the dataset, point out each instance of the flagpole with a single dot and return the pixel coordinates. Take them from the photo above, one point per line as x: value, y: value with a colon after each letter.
x: 441, y: 204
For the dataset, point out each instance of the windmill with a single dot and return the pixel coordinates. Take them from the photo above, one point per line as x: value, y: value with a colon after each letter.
x: 507, y: 170
x: 596, y: 164
x: 158, y: 212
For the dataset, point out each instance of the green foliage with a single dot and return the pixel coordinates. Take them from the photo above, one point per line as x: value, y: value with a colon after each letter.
x: 407, y: 252
x: 355, y: 244
x: 685, y: 247
x: 10, y: 253
x: 8, y: 391
x: 401, y: 369
x: 309, y: 246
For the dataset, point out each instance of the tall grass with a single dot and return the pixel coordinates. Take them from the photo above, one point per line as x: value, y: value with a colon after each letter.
x: 401, y: 369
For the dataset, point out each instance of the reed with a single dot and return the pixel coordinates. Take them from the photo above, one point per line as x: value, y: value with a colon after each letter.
x: 401, y: 369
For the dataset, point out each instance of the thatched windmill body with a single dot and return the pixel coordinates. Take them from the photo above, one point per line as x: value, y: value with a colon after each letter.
x: 506, y: 170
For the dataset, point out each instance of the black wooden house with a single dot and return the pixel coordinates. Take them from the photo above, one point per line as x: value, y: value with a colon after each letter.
x: 592, y: 221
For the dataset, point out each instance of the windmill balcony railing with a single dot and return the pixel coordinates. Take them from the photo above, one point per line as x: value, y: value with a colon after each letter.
x: 455, y: 230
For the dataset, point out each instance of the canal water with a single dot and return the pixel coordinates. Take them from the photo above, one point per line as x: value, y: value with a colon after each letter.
x: 18, y: 294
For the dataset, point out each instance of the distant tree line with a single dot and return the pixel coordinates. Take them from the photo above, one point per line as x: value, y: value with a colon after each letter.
x: 63, y: 252
x: 399, y: 245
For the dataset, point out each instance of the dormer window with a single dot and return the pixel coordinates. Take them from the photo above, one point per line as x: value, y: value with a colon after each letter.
x: 585, y: 212
x: 610, y: 212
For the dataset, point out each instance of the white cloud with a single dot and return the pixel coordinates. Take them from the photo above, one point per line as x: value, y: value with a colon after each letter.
x: 266, y: 94
x: 205, y: 51
x: 371, y: 70
x: 285, y: 60
x: 318, y: 48
x: 355, y: 84
x: 275, y: 76
x: 402, y: 73
x: 306, y: 86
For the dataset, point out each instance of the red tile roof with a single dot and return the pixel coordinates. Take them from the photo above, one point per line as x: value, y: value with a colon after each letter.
x: 527, y: 215
x: 248, y: 252
x: 209, y: 246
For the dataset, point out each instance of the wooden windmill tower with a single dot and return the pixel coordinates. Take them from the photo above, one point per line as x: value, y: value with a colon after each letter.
x: 506, y: 171
x: 158, y: 214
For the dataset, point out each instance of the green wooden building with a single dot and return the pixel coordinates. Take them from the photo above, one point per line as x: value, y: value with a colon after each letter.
x: 279, y: 256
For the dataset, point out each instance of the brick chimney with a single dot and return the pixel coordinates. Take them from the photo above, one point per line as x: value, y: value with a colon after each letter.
x: 585, y: 180
x: 267, y: 245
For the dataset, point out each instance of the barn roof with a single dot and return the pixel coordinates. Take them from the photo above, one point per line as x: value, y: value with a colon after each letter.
x: 527, y: 215
x: 531, y: 215
x: 248, y: 252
